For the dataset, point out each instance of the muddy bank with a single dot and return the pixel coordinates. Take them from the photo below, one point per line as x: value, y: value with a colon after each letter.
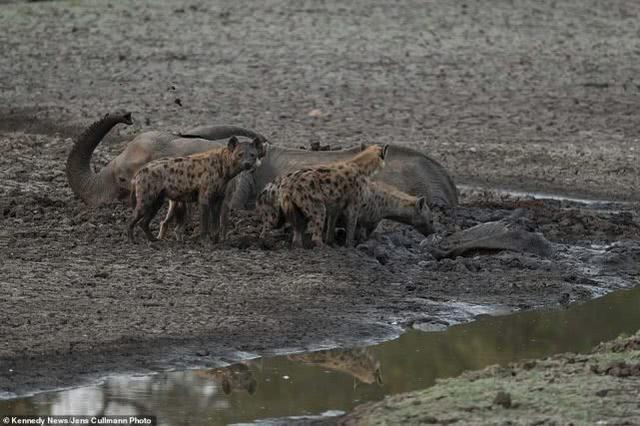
x: 599, y: 387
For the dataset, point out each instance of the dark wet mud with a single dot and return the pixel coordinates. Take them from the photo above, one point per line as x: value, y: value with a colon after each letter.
x: 522, y: 96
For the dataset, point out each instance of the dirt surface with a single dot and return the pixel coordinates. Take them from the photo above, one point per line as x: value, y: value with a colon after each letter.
x: 532, y: 96
x: 597, y: 388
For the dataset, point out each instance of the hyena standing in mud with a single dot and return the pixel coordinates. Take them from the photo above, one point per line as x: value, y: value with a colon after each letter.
x: 313, y: 196
x: 378, y: 201
x: 382, y: 201
x: 202, y: 177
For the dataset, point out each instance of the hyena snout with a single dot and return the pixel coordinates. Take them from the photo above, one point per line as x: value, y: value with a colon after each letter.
x: 425, y: 228
x: 250, y: 162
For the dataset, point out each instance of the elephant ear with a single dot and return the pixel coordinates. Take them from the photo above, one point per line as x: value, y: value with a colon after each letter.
x: 233, y: 143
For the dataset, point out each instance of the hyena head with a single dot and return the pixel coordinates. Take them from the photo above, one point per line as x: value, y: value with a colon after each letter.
x: 371, y: 159
x: 422, y: 217
x: 245, y: 155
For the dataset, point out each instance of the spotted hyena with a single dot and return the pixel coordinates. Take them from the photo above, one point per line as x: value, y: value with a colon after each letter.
x: 357, y: 362
x: 378, y: 201
x: 268, y: 208
x: 315, y: 195
x: 383, y: 201
x: 200, y: 177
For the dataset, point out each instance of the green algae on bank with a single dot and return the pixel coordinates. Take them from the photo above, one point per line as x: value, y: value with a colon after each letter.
x: 601, y: 387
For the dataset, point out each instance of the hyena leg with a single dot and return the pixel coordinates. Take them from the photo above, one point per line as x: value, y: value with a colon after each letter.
x: 298, y: 223
x: 152, y: 210
x: 205, y: 212
x: 181, y: 212
x: 317, y: 215
x: 206, y: 202
x: 351, y: 218
x: 362, y: 234
x: 224, y: 218
x: 216, y: 208
x: 330, y: 230
x: 270, y: 218
x: 170, y: 215
x: 137, y: 215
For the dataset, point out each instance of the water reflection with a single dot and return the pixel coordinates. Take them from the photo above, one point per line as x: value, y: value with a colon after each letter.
x: 358, y: 362
x: 236, y: 377
x: 308, y: 384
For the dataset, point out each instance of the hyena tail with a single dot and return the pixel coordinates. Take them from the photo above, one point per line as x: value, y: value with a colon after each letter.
x: 292, y: 213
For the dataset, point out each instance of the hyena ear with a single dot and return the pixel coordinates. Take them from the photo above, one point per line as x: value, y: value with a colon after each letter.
x: 385, y: 148
x: 421, y: 204
x: 363, y: 146
x: 233, y: 143
x: 260, y: 146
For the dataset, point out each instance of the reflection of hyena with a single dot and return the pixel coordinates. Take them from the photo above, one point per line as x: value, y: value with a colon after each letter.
x: 236, y: 377
x: 358, y: 362
x: 202, y: 177
x: 311, y: 196
x: 378, y: 201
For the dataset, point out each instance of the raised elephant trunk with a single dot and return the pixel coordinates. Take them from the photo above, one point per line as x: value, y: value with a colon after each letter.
x: 92, y: 188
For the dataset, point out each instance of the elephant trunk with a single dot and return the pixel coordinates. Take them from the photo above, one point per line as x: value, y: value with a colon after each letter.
x: 92, y: 188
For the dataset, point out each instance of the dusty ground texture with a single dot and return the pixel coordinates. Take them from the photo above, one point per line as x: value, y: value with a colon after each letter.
x: 598, y: 388
x: 532, y: 96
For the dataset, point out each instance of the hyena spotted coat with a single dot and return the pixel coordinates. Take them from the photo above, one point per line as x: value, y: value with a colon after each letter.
x: 315, y: 195
x: 379, y: 201
x: 382, y: 201
x: 200, y: 177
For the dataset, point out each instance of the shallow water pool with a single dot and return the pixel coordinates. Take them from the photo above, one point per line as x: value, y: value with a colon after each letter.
x: 337, y: 380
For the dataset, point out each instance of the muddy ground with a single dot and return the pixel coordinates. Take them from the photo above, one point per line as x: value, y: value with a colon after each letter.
x: 519, y: 95
x: 597, y: 388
